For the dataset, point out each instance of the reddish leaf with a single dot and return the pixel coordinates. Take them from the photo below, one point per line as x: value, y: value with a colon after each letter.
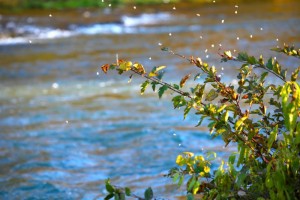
x: 105, y: 68
x: 184, y: 79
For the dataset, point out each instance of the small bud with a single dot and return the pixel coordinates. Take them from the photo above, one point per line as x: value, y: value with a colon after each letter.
x: 235, y: 96
x: 199, y: 62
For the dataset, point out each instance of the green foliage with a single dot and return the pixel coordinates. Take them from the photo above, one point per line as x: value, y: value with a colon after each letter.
x: 261, y: 119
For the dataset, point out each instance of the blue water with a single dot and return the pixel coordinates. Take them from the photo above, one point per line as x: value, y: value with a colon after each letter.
x: 66, y: 127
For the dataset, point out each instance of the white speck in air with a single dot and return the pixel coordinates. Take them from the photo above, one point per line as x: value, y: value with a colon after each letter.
x: 236, y: 6
x: 97, y: 73
x: 179, y: 144
x: 174, y: 8
x: 251, y: 36
x: 150, y: 58
x: 174, y: 134
x: 235, y: 12
x: 212, y: 45
x: 198, y: 14
x: 170, y: 34
x: 201, y: 37
x: 207, y: 56
x: 277, y: 39
x: 159, y: 44
x: 55, y: 85
x: 222, y: 68
x: 237, y: 38
x: 134, y: 7
x: 30, y: 41
x: 261, y: 28
x: 50, y: 15
x: 109, y: 5
x: 206, y: 50
x: 67, y: 122
x: 222, y: 21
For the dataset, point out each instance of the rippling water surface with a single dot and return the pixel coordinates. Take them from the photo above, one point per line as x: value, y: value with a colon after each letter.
x: 66, y: 127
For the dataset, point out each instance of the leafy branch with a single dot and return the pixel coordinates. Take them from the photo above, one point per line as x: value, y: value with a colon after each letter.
x: 266, y: 131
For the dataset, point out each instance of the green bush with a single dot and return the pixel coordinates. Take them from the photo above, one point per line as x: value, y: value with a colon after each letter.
x: 261, y: 119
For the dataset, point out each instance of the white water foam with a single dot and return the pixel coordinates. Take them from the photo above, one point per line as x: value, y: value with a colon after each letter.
x: 128, y: 25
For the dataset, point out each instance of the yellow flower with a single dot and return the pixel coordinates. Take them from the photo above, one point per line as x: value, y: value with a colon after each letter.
x: 180, y: 160
x: 206, y: 169
x: 199, y: 158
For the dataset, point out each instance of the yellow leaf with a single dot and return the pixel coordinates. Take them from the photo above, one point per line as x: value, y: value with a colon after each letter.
x: 240, y: 122
x: 228, y: 54
x: 139, y: 67
x: 151, y: 74
x: 159, y: 68
x: 222, y: 108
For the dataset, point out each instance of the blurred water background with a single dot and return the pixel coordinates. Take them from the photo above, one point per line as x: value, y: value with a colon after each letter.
x: 65, y: 126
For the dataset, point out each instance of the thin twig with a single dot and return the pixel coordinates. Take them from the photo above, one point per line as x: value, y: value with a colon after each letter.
x: 154, y: 79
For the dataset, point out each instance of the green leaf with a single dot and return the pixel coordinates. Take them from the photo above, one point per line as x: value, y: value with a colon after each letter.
x: 148, y: 194
x: 190, y: 196
x: 191, y: 183
x: 212, y: 94
x: 269, y: 64
x: 180, y: 180
x: 197, y: 76
x: 200, y: 121
x: 154, y: 85
x: 176, y: 86
x: 263, y: 76
x: 242, y: 56
x: 273, y: 137
x: 144, y: 86
x: 240, y: 179
x: 241, y: 157
x: 122, y: 196
x: 175, y: 177
x: 283, y: 74
x: 109, y: 196
x: 178, y: 101
x: 161, y: 90
x: 187, y: 110
x: 294, y: 75
x: 127, y: 191
x: 109, y: 187
x: 252, y: 60
x: 231, y: 158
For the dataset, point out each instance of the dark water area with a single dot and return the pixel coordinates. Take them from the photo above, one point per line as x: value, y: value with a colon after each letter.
x: 65, y: 126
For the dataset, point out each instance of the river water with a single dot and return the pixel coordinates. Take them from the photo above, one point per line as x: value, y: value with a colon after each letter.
x: 66, y: 127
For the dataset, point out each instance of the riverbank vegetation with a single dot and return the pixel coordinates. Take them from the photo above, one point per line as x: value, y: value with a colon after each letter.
x: 71, y: 4
x: 260, y: 117
x: 66, y: 4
